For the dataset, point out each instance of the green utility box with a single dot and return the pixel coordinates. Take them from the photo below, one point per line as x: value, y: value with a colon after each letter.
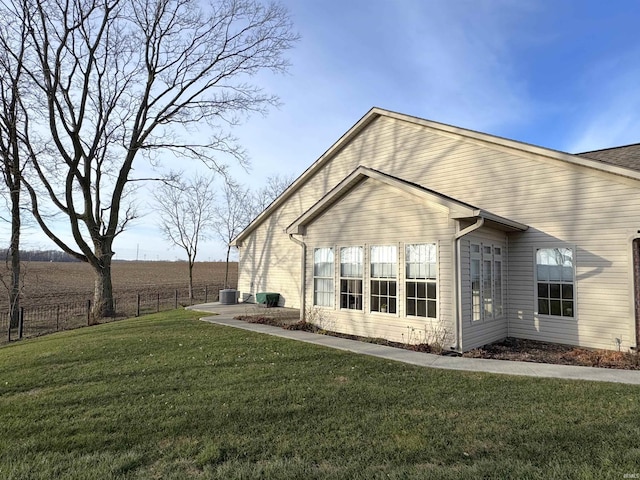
x: 270, y: 299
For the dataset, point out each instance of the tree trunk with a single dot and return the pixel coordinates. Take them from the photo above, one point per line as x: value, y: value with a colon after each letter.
x: 14, y: 252
x: 103, y: 293
x: 190, y: 278
x: 226, y: 270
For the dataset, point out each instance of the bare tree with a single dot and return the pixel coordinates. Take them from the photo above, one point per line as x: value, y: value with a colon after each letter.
x: 272, y: 189
x: 13, y: 38
x: 119, y: 81
x: 233, y: 212
x: 186, y: 214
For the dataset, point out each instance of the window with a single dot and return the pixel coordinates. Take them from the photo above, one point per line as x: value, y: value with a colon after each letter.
x: 383, y: 278
x: 555, y: 280
x: 421, y: 276
x: 487, y: 288
x: 323, y: 293
x: 351, y: 278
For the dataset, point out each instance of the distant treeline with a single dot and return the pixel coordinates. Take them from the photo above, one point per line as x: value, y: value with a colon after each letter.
x: 40, y: 256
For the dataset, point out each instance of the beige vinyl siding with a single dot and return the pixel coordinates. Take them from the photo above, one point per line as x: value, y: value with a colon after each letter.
x: 270, y: 261
x: 563, y: 204
x: 373, y: 213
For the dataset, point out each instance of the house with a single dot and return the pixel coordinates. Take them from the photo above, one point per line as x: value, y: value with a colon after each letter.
x: 411, y: 230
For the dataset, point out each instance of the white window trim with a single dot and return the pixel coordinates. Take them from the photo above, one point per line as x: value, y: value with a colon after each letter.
x: 395, y: 279
x: 364, y: 290
x: 404, y: 279
x: 480, y: 256
x: 314, y: 277
x: 536, y: 313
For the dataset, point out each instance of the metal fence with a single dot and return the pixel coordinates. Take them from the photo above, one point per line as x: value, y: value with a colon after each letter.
x: 44, y: 319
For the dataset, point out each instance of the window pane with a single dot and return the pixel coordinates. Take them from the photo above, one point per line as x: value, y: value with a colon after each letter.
x: 351, y: 262
x: 411, y: 307
x: 421, y: 290
x: 323, y: 292
x: 555, y: 256
x: 431, y: 290
x: 554, y: 290
x: 555, y: 307
x: 567, y: 309
x: 323, y: 262
x: 384, y: 261
x: 420, y: 260
x: 375, y: 304
x: 351, y: 294
x: 555, y: 273
x: 543, y: 306
x: 422, y: 308
x: 497, y: 296
x: 431, y: 309
x: 567, y: 291
x: 543, y: 290
x: 392, y: 305
x: 543, y: 273
x: 475, y: 289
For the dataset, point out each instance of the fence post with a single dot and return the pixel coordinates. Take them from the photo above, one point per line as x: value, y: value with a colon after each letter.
x: 138, y: 305
x: 206, y: 293
x: 158, y: 304
x: 9, y: 327
x: 176, y: 301
x: 21, y: 323
x: 88, y: 312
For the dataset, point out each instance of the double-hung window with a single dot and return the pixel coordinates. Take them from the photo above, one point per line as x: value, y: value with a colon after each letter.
x: 383, y: 278
x: 555, y: 281
x: 421, y: 276
x: 323, y: 292
x: 351, y: 273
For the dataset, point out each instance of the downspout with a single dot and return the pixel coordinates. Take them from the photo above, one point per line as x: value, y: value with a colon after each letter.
x: 457, y: 274
x: 303, y: 267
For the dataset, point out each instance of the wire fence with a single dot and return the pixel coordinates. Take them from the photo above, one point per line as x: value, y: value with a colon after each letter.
x: 44, y: 319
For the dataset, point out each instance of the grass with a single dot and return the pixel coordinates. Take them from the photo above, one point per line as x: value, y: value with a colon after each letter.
x: 169, y: 397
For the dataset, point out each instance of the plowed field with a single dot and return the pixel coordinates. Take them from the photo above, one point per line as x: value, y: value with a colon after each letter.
x: 48, y: 283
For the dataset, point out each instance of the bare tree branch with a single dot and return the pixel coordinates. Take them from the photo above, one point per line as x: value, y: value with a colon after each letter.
x: 116, y: 82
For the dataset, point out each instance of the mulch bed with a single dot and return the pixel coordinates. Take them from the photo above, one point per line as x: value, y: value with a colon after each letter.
x: 542, y: 352
x: 509, y: 349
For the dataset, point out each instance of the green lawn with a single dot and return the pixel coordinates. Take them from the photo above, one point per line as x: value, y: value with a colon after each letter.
x: 169, y: 397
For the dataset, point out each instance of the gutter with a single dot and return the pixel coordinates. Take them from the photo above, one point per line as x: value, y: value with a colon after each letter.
x: 303, y: 266
x: 457, y: 274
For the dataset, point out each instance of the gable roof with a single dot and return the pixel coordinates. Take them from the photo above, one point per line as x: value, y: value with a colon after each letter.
x: 375, y: 113
x: 457, y: 210
x: 627, y: 156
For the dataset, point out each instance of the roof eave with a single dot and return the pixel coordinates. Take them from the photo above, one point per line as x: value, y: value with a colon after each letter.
x: 496, y: 221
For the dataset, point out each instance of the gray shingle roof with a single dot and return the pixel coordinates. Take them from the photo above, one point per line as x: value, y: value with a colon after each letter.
x: 627, y: 156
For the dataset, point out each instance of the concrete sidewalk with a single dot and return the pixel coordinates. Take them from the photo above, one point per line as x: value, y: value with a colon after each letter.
x: 224, y: 316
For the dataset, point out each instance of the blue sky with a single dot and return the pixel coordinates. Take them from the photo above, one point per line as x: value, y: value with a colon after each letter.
x: 560, y: 74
